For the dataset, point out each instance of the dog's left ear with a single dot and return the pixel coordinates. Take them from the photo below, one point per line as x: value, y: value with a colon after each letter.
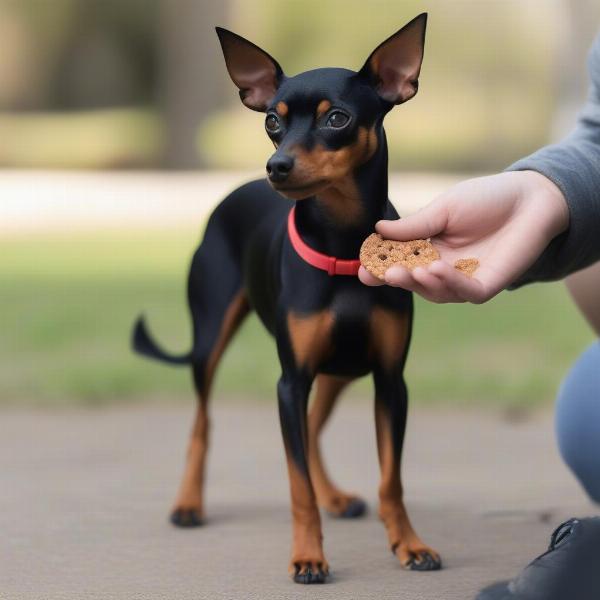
x: 256, y: 74
x: 393, y: 67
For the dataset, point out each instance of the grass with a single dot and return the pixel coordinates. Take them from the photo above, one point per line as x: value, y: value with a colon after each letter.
x: 67, y: 305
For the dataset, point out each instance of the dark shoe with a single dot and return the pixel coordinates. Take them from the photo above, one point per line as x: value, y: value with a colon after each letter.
x: 568, y: 570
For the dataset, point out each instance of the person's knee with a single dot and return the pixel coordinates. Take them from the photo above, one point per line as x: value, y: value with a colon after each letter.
x: 578, y: 420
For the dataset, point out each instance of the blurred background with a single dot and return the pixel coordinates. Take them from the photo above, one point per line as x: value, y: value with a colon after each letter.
x: 120, y: 130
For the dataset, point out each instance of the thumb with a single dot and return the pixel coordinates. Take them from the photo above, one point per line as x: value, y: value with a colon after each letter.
x: 426, y: 223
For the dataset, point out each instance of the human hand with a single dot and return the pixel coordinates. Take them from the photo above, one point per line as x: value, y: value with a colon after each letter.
x: 505, y: 221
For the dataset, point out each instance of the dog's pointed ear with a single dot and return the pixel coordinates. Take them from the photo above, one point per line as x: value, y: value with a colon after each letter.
x: 256, y: 74
x: 393, y: 67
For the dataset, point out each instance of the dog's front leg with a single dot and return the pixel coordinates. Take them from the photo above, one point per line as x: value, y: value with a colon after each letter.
x: 391, y: 402
x: 303, y: 341
x: 307, y: 564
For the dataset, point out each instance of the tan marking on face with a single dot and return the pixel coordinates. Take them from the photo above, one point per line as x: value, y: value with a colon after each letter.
x: 334, y: 165
x: 339, y: 192
x: 282, y: 108
x: 323, y: 107
x: 388, y: 336
x: 310, y: 336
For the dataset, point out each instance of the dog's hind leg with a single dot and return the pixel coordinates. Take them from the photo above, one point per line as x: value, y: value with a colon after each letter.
x: 218, y: 305
x: 189, y: 509
x: 336, y: 502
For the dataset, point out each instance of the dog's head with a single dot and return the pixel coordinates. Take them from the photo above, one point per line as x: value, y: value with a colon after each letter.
x: 323, y: 123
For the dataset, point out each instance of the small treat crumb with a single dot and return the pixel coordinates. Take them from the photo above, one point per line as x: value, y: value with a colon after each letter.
x: 467, y: 266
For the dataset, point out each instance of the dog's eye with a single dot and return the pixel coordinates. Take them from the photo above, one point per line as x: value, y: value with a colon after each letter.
x: 272, y: 123
x: 337, y: 120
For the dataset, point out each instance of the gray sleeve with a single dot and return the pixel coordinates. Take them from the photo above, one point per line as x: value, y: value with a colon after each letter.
x: 574, y: 166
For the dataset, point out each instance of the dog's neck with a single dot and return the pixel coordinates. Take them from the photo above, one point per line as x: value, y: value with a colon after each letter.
x: 336, y: 221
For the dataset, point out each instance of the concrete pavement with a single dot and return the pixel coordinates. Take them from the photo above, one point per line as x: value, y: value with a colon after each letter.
x: 84, y: 497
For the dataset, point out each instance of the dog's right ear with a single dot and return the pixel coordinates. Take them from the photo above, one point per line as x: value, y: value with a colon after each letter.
x: 256, y: 74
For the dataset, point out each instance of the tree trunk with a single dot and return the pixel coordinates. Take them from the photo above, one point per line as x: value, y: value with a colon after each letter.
x: 580, y: 25
x: 191, y: 79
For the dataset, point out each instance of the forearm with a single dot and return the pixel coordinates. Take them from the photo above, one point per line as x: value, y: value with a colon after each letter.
x: 574, y: 166
x: 575, y: 169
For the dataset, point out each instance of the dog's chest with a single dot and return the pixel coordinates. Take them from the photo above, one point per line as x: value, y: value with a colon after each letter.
x: 339, y: 326
x: 349, y: 338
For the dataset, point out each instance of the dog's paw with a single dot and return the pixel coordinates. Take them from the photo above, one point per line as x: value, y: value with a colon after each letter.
x: 186, y: 517
x: 417, y: 557
x: 307, y: 572
x: 345, y: 507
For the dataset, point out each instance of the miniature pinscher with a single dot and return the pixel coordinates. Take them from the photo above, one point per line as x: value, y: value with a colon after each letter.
x: 295, y: 264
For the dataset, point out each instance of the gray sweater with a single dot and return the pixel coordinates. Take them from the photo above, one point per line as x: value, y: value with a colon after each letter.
x: 574, y: 166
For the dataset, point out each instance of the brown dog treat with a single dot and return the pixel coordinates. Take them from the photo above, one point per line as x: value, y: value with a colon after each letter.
x: 467, y: 266
x: 377, y: 254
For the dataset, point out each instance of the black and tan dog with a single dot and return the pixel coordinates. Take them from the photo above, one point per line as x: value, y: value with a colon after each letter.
x: 297, y: 273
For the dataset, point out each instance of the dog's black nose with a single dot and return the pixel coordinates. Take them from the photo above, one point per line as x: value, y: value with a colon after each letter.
x: 279, y: 167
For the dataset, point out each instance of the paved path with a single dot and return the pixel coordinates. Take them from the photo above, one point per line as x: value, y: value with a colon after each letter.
x: 63, y: 201
x: 84, y: 498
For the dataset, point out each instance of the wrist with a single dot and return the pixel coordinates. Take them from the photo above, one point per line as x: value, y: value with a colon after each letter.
x: 553, y: 201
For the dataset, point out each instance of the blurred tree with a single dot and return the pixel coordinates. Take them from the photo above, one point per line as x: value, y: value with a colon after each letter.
x: 109, y: 57
x: 579, y: 26
x: 69, y: 54
x: 33, y: 34
x: 191, y: 72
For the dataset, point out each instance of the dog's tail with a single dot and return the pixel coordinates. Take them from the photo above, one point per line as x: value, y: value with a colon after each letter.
x: 143, y: 344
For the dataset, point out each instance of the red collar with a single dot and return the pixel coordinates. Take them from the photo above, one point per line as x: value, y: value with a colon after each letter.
x: 331, y: 264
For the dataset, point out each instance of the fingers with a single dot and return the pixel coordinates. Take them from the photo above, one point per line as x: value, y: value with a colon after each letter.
x: 367, y: 278
x: 434, y: 289
x: 476, y: 289
x: 442, y: 283
x: 426, y: 223
x: 398, y: 276
x: 421, y: 282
